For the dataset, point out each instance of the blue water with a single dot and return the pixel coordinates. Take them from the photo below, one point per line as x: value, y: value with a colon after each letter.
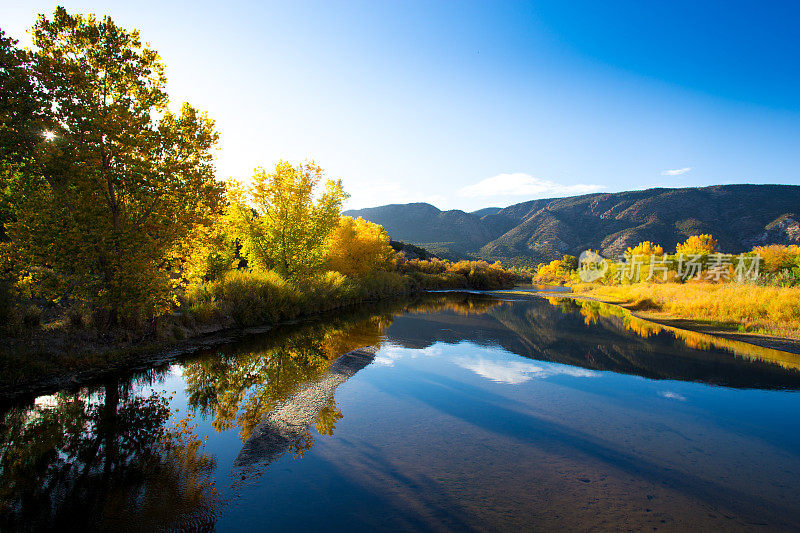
x: 468, y: 418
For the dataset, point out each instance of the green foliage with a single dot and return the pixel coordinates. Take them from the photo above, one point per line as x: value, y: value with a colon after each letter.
x: 22, y: 103
x: 124, y: 183
x: 442, y: 274
x: 570, y: 262
x: 280, y: 222
x: 411, y: 251
x: 22, y: 121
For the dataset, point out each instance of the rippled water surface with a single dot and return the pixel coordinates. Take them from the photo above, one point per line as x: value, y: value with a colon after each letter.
x: 472, y: 412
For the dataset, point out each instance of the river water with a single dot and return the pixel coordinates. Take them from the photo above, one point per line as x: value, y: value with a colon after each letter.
x: 470, y: 412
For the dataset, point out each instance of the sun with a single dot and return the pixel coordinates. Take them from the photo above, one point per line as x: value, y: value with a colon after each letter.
x: 48, y: 135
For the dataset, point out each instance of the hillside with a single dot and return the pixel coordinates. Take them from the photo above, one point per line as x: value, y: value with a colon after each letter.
x: 739, y: 216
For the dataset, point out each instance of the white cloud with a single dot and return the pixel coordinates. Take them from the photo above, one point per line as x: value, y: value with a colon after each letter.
x: 669, y: 395
x: 389, y: 353
x: 676, y: 172
x: 520, y: 184
x: 514, y: 372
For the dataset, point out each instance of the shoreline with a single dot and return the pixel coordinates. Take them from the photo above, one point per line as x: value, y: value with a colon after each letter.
x: 126, y: 359
x: 707, y: 327
x: 155, y: 355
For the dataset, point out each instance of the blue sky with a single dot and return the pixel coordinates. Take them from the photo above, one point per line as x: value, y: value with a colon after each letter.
x: 467, y: 105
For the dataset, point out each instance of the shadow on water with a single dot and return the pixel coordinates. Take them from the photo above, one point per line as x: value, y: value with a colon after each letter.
x: 114, y: 455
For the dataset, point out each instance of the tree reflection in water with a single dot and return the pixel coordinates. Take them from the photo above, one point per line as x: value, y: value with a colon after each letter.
x: 103, y: 459
x: 239, y: 387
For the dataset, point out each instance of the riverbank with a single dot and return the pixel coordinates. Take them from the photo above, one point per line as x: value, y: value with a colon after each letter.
x: 760, y: 315
x: 63, y: 353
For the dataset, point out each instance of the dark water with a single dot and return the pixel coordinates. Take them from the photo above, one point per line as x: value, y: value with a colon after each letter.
x: 475, y: 413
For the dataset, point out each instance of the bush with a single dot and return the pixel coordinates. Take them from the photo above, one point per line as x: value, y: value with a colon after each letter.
x: 80, y: 316
x: 247, y: 297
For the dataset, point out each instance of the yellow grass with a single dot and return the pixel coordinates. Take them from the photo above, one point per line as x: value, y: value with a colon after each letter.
x: 760, y: 309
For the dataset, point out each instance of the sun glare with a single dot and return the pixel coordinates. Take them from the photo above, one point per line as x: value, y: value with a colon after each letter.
x: 48, y: 135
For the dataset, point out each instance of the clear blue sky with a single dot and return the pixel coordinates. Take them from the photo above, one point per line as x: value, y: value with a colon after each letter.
x: 467, y: 105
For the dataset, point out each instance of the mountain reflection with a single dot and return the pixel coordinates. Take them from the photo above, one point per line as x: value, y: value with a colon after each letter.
x: 599, y: 336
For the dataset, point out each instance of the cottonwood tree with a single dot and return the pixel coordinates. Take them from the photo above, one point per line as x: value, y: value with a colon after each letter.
x: 284, y: 217
x: 22, y: 121
x: 697, y: 244
x: 358, y: 247
x: 125, y: 182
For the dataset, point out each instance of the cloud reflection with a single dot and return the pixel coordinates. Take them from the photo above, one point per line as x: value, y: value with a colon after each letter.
x: 495, y: 364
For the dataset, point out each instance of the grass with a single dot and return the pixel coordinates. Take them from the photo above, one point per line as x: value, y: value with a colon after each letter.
x: 751, y: 308
x: 257, y: 297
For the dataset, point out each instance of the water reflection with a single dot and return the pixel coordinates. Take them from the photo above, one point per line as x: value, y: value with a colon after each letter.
x: 103, y: 459
x: 598, y: 336
x: 115, y: 455
x: 238, y: 385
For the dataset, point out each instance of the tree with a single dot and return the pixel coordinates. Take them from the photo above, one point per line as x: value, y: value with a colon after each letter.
x: 357, y: 247
x: 125, y: 182
x: 570, y: 262
x: 22, y: 121
x: 698, y: 244
x: 647, y: 249
x: 279, y: 222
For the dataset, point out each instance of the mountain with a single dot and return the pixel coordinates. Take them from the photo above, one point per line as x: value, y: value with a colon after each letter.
x: 739, y: 217
x: 486, y: 211
x: 456, y: 231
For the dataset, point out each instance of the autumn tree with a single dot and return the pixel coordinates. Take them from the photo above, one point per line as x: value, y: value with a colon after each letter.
x: 646, y: 248
x: 698, y: 244
x: 124, y: 181
x: 776, y: 257
x: 283, y: 218
x: 22, y: 121
x: 357, y: 247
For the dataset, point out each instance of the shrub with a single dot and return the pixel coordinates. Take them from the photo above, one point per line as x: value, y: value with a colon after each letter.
x: 5, y: 300
x: 776, y: 257
x: 247, y: 297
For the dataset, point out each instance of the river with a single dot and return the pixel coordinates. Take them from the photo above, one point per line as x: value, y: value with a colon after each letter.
x: 465, y: 412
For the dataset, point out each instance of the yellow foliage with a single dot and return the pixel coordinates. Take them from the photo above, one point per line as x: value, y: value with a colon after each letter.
x: 754, y: 307
x: 554, y: 272
x: 776, y: 257
x: 284, y: 218
x: 646, y: 248
x: 357, y: 247
x: 698, y: 244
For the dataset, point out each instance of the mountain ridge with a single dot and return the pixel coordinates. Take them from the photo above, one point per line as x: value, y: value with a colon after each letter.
x: 739, y: 216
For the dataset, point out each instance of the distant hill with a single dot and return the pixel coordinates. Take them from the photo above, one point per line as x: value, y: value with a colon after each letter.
x: 739, y: 216
x: 486, y: 211
x: 420, y: 223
